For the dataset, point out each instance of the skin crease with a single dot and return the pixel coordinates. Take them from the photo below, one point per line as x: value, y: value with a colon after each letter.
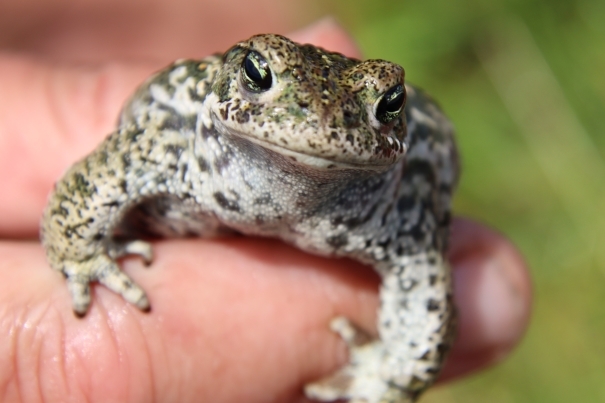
x: 238, y: 319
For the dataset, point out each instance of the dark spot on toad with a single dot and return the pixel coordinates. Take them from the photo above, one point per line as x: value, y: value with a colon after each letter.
x: 432, y: 305
x: 225, y: 203
x: 337, y: 241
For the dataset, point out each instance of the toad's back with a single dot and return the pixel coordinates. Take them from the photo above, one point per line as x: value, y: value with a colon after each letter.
x: 290, y: 141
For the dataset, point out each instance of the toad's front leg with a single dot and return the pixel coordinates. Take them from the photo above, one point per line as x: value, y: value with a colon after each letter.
x: 91, y: 200
x: 77, y: 231
x: 416, y: 328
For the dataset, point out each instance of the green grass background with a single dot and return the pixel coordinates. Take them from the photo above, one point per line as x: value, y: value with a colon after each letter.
x: 524, y: 83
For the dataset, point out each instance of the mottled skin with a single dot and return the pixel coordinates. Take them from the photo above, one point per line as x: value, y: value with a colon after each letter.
x: 199, y: 152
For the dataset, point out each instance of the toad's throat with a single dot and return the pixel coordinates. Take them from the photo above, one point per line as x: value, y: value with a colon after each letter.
x: 308, y: 160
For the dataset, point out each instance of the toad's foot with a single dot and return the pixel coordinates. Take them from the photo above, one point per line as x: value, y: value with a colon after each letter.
x: 104, y: 269
x: 143, y: 249
x: 360, y: 381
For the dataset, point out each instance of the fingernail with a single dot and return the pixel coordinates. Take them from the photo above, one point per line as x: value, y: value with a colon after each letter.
x: 493, y: 301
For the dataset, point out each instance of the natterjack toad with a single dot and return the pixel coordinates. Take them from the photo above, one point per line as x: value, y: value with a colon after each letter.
x: 288, y: 141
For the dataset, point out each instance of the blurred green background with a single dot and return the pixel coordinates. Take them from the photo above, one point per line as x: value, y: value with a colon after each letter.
x: 524, y: 83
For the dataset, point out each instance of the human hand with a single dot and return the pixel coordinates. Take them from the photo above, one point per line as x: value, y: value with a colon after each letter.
x: 233, y: 319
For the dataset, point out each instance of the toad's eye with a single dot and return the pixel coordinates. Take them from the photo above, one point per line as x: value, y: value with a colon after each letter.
x: 256, y: 73
x: 389, y: 106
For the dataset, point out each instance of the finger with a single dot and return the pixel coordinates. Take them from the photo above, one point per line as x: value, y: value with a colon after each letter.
x: 101, y: 30
x: 51, y: 116
x: 250, y: 322
x: 328, y: 34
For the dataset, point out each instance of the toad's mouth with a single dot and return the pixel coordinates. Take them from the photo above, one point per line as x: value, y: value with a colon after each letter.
x: 309, y: 160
